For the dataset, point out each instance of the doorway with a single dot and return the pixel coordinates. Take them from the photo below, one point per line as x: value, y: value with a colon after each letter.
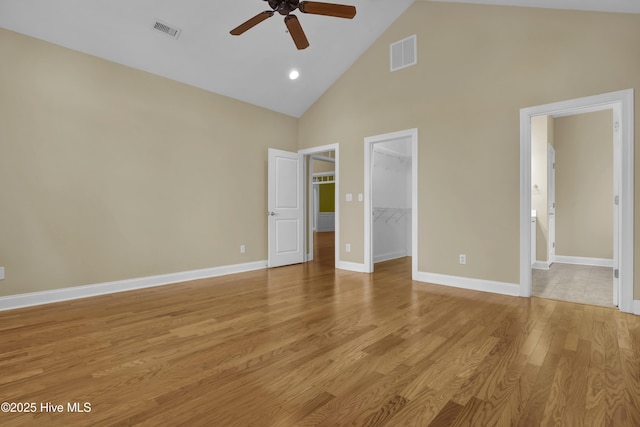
x: 575, y: 258
x: 391, y: 198
x: 322, y: 224
x: 621, y: 103
x: 322, y: 207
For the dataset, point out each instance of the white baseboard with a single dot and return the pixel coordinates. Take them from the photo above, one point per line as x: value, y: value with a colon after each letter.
x: 389, y: 256
x: 541, y: 265
x: 596, y: 262
x: 503, y: 288
x: 351, y: 266
x: 636, y: 307
x: 76, y: 292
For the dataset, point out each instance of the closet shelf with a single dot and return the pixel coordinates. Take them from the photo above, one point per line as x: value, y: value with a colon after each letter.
x: 388, y: 214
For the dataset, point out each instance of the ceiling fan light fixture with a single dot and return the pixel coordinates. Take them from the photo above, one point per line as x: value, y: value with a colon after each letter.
x: 294, y: 74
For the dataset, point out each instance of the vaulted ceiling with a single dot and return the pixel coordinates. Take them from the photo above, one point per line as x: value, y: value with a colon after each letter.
x: 253, y: 67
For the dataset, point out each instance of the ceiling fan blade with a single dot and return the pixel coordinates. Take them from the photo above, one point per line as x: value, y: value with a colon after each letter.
x: 251, y: 22
x: 327, y: 9
x: 297, y: 34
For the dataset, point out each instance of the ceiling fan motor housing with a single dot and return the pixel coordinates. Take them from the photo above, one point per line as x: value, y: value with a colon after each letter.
x: 283, y: 7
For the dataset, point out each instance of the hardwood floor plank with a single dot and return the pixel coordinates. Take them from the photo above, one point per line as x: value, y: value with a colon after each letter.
x: 447, y: 414
x: 616, y: 414
x: 534, y: 408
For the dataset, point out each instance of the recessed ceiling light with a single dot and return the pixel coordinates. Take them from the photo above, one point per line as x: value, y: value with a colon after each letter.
x: 294, y: 74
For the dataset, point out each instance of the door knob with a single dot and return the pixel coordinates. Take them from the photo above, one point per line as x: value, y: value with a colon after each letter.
x: 272, y: 214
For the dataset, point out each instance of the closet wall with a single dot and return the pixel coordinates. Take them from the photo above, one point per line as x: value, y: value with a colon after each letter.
x: 391, y: 196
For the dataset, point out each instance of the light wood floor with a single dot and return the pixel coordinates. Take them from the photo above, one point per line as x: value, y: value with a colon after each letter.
x: 307, y: 345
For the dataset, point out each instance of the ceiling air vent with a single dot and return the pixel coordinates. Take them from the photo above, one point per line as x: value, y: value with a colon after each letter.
x: 169, y: 30
x: 404, y: 53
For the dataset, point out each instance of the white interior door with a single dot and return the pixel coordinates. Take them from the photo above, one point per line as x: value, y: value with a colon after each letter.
x: 286, y: 208
x: 552, y: 204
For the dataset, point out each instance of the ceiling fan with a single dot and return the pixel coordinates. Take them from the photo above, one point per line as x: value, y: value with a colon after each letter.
x: 285, y: 7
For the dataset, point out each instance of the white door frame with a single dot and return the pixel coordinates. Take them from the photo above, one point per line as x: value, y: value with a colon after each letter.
x: 368, y: 199
x: 308, y: 190
x: 551, y: 204
x: 621, y: 103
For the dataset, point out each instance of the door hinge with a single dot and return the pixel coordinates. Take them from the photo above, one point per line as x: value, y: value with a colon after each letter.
x: 616, y: 126
x: 553, y: 245
x: 616, y: 200
x: 616, y: 273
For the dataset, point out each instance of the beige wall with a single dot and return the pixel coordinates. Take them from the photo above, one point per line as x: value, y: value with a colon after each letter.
x: 109, y: 173
x: 539, y: 181
x: 320, y: 166
x: 477, y: 67
x: 584, y: 185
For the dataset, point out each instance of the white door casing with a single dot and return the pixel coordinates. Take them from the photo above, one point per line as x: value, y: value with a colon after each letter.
x: 622, y: 103
x: 551, y: 182
x: 369, y: 142
x: 285, y: 208
x: 617, y: 164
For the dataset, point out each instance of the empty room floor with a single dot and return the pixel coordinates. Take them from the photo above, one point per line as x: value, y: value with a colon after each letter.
x: 577, y: 283
x: 310, y: 345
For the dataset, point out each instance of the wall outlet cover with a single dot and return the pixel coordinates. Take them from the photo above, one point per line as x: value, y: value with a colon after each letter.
x: 1, y: 273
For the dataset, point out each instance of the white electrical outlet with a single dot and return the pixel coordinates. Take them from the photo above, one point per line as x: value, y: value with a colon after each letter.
x: 347, y: 247
x: 463, y: 259
x: 1, y: 273
x: 242, y: 249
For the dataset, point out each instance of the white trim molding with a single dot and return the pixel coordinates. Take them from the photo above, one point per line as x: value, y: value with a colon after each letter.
x: 578, y: 260
x: 351, y: 266
x: 541, y: 265
x: 389, y: 256
x: 66, y: 294
x: 636, y: 307
x: 622, y: 104
x: 511, y: 289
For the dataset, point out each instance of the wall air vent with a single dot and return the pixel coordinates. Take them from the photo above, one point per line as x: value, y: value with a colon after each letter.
x: 169, y: 30
x: 404, y: 53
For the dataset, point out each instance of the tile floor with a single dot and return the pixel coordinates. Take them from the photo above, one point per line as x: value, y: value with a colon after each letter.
x: 576, y: 283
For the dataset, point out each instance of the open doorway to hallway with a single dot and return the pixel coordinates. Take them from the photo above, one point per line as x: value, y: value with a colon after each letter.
x: 322, y: 203
x: 322, y: 207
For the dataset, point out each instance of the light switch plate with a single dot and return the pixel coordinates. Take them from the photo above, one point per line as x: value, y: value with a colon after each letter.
x: 360, y: 198
x: 349, y: 197
x: 1, y: 273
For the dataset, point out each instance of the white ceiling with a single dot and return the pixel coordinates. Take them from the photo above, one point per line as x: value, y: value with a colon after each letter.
x: 622, y: 6
x: 253, y: 67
